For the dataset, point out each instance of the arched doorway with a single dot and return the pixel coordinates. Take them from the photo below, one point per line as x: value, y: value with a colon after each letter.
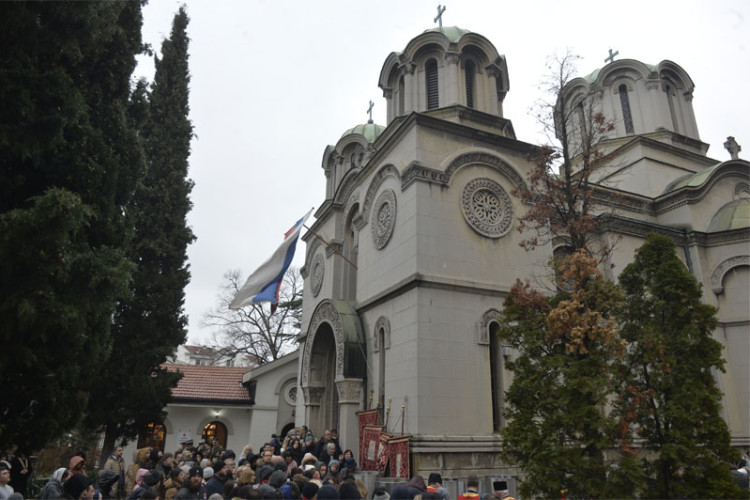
x: 323, y: 375
x: 153, y: 436
x: 215, y: 430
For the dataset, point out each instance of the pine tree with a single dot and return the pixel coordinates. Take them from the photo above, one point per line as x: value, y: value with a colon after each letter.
x: 68, y: 165
x: 670, y: 391
x: 151, y: 323
x: 559, y: 430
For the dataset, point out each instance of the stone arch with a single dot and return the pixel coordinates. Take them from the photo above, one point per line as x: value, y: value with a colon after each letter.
x: 382, y: 322
x: 282, y: 382
x: 486, y: 159
x: 483, y: 333
x: 375, y: 183
x: 213, y: 418
x: 348, y: 336
x: 718, y: 273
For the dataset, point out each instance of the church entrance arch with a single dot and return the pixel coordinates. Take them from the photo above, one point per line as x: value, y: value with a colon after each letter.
x: 333, y: 369
x: 323, y: 374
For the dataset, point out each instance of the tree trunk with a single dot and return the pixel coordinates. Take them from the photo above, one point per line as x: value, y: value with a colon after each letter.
x: 110, y: 437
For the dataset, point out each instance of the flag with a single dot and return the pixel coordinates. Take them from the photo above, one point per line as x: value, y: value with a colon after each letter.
x: 263, y: 285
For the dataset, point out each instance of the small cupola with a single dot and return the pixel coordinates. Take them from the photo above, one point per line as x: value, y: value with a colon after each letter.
x: 444, y: 67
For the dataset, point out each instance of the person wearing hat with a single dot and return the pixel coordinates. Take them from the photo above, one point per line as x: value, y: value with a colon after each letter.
x: 224, y: 471
x: 193, y: 488
x: 435, y: 485
x: 328, y: 492
x: 500, y: 489
x: 149, y: 480
x: 264, y: 473
x: 350, y: 491
x: 174, y: 482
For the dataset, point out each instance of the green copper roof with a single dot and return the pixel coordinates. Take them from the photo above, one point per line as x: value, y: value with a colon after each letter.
x: 733, y: 215
x: 692, y: 180
x: 591, y: 77
x: 452, y: 33
x: 370, y: 131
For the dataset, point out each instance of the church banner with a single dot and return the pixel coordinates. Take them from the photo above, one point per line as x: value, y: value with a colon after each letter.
x: 366, y: 418
x: 398, y: 456
x: 371, y: 446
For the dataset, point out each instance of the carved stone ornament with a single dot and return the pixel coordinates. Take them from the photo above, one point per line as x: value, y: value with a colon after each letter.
x: 313, y: 395
x: 324, y: 313
x: 487, y: 207
x: 349, y: 390
x: 483, y: 333
x: 290, y: 392
x: 717, y: 275
x: 383, y: 218
x: 317, y: 274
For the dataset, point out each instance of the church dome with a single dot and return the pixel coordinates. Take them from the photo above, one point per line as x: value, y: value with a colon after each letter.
x: 370, y: 131
x: 733, y: 215
x: 452, y: 33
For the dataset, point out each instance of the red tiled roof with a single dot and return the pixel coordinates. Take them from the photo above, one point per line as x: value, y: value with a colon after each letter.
x: 215, y: 383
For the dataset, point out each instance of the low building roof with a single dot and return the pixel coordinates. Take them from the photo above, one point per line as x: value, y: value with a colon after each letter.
x: 212, y: 384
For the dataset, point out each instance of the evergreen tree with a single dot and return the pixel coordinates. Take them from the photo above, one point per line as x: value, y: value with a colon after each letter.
x: 68, y: 165
x: 669, y: 389
x: 559, y: 430
x: 151, y: 323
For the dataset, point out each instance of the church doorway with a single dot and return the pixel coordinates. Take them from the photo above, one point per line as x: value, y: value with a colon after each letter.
x: 215, y: 430
x: 323, y: 374
x: 153, y: 436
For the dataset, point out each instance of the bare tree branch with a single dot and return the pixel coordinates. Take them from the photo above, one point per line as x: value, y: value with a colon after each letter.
x: 253, y: 331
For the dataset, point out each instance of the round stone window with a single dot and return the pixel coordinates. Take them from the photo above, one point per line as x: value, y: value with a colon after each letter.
x: 487, y: 207
x: 290, y: 393
x: 316, y: 276
x: 383, y: 218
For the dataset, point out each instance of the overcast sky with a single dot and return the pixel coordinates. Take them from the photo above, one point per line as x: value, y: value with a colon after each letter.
x: 274, y: 82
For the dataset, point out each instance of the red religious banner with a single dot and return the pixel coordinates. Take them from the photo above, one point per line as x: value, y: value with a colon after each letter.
x: 371, y: 446
x: 366, y: 418
x: 383, y: 452
x: 398, y: 456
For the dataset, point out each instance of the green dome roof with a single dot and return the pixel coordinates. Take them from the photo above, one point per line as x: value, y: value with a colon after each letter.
x: 733, y: 215
x: 370, y: 131
x: 452, y: 33
x: 691, y: 180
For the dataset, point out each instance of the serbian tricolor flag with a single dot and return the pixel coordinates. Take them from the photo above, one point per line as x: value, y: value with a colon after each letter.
x: 264, y: 284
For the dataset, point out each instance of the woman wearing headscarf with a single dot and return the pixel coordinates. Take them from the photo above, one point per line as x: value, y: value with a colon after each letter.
x: 54, y: 487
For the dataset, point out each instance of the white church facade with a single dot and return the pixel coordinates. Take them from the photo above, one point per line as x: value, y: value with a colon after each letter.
x: 401, y: 309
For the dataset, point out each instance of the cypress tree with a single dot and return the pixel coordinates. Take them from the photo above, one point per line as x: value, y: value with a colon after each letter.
x: 151, y: 323
x: 68, y: 165
x: 669, y: 390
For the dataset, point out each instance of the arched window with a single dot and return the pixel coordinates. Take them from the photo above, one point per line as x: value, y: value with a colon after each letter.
x: 215, y: 430
x: 627, y: 118
x: 496, y: 378
x: 470, y: 72
x: 153, y: 436
x: 431, y: 76
x: 672, y: 111
x: 401, y: 96
x: 381, y: 368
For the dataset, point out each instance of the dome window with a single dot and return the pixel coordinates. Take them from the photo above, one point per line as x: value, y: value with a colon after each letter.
x: 627, y: 118
x: 470, y: 72
x: 431, y: 71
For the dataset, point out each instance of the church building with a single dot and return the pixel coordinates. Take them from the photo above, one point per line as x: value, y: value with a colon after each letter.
x: 402, y: 300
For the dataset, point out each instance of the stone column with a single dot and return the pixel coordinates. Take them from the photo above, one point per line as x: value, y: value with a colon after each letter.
x: 350, y: 401
x: 411, y: 92
x: 313, y: 395
x: 451, y: 89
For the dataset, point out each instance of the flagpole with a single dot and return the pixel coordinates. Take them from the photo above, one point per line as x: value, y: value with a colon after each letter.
x: 331, y: 247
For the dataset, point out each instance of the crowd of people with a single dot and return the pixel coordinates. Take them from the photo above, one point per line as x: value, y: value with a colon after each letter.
x: 300, y: 467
